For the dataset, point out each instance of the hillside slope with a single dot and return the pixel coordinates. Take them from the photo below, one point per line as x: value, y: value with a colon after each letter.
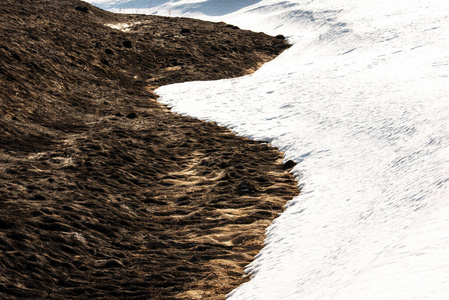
x: 104, y: 193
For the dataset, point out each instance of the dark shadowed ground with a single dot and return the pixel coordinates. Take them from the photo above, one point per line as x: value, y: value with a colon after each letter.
x: 104, y: 193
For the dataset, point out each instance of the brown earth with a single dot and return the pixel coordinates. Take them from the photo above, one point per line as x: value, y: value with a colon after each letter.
x: 104, y: 193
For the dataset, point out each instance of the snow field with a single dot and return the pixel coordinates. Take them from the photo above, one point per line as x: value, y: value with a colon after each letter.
x: 361, y: 103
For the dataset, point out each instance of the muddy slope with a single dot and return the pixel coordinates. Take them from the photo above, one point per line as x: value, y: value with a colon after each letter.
x: 104, y: 193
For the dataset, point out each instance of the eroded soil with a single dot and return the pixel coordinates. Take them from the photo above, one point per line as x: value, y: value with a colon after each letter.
x: 104, y: 193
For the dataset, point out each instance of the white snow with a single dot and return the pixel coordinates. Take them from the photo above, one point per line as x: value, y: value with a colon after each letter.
x: 125, y: 27
x: 361, y: 103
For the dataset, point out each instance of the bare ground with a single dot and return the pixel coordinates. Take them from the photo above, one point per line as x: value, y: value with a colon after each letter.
x: 104, y: 193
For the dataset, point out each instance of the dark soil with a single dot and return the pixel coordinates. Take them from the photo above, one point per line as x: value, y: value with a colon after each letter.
x: 104, y: 193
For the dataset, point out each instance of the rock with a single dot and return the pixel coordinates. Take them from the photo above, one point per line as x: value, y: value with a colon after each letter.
x: 132, y: 115
x: 232, y: 26
x: 288, y: 165
x: 82, y: 9
x: 39, y: 197
x: 127, y: 44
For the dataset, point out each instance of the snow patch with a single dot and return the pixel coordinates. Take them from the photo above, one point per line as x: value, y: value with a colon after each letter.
x: 125, y: 27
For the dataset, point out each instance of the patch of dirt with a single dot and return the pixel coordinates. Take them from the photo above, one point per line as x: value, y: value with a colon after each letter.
x: 104, y: 193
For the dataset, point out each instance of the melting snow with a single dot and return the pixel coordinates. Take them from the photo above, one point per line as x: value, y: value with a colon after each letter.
x: 361, y: 103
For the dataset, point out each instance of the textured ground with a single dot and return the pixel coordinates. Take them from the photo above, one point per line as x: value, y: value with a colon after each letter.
x: 104, y: 193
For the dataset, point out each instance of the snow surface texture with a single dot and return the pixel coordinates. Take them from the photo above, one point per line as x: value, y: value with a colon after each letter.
x: 360, y: 102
